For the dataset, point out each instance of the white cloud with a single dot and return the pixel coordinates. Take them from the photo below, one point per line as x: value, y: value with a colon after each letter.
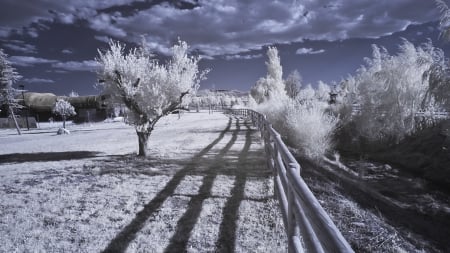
x: 38, y: 80
x: 104, y: 23
x: 67, y: 51
x: 243, y: 57
x: 309, y: 51
x: 18, y: 14
x: 228, y: 27
x: 89, y: 65
x: 28, y: 61
x: 102, y: 38
x: 232, y: 27
x: 20, y: 46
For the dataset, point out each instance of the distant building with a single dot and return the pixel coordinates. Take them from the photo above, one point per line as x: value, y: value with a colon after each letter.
x: 39, y: 106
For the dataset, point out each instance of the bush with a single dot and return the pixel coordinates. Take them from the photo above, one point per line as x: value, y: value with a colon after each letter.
x: 308, y: 127
x: 389, y: 91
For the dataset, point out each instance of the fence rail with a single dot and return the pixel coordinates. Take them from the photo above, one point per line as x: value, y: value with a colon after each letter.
x: 308, y: 226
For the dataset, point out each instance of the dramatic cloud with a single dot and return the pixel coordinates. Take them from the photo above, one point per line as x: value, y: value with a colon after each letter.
x: 222, y: 27
x: 29, y: 61
x: 17, y: 14
x: 37, y: 80
x: 90, y: 66
x: 309, y: 51
x: 231, y: 27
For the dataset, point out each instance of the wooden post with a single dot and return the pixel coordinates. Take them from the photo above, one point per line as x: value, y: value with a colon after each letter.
x: 15, y: 120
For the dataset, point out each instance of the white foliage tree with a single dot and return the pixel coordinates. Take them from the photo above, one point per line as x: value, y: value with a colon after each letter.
x: 272, y: 86
x: 444, y: 23
x: 73, y: 94
x: 149, y: 90
x: 303, y: 120
x: 64, y: 109
x: 293, y: 84
x: 323, y: 91
x: 8, y: 76
x: 391, y: 90
x: 306, y: 95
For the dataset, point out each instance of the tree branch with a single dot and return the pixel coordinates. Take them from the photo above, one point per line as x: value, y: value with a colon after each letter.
x: 129, y: 101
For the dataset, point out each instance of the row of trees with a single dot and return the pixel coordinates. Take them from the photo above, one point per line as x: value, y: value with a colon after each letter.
x: 212, y: 99
x: 379, y: 104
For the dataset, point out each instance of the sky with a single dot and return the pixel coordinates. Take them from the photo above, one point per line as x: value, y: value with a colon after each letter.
x: 53, y: 44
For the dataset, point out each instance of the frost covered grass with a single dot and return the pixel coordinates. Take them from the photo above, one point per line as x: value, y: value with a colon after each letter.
x: 363, y: 229
x: 369, y: 228
x: 205, y: 189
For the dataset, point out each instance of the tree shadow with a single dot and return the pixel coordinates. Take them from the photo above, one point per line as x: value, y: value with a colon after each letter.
x: 128, y: 233
x: 46, y: 156
x: 208, y: 163
x: 186, y: 223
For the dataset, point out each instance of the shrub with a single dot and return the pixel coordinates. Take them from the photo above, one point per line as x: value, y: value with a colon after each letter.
x: 389, y: 91
x: 310, y: 128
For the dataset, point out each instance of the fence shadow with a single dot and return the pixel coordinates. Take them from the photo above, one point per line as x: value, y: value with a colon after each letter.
x: 208, y: 163
x: 128, y: 233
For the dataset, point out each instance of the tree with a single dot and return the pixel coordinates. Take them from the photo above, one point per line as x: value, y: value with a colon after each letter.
x: 149, y: 90
x: 323, y: 91
x: 444, y: 23
x: 272, y: 86
x: 73, y: 94
x: 391, y: 89
x: 293, y: 84
x: 8, y: 76
x: 63, y: 109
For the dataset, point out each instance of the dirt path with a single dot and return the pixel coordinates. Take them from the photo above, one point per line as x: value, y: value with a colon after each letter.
x: 230, y: 156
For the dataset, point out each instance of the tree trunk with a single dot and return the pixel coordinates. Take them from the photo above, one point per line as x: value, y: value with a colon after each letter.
x: 142, y: 139
x: 15, y: 120
x: 64, y: 121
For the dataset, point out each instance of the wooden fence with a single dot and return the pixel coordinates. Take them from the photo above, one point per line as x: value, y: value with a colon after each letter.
x: 308, y: 226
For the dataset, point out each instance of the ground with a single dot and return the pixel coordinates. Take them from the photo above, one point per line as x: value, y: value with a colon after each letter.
x: 204, y: 187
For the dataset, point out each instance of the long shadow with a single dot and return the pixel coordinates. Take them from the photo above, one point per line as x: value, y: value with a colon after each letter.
x: 186, y: 223
x: 230, y: 213
x: 128, y: 233
x: 46, y: 156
